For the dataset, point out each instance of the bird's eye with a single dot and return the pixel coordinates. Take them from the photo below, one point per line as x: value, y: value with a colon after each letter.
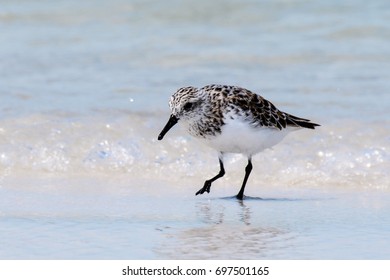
x: 188, y: 106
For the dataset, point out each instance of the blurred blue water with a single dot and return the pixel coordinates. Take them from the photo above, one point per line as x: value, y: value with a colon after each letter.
x: 84, y: 87
x: 93, y: 55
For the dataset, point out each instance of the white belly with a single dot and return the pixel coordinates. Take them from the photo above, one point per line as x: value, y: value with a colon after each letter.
x: 238, y: 136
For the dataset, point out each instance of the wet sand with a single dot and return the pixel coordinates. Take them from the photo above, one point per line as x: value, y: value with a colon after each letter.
x: 112, y: 220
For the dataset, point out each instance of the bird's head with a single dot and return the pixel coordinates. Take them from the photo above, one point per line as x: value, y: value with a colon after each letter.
x: 186, y: 104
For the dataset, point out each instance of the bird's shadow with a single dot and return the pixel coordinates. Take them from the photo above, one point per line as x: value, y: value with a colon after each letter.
x: 216, y: 214
x: 270, y: 199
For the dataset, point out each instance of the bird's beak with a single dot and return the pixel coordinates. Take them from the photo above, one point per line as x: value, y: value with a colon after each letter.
x: 171, y: 122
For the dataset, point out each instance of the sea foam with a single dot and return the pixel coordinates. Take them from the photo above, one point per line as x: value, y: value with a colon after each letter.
x: 342, y: 154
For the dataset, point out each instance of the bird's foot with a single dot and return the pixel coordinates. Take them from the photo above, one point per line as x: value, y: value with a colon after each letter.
x: 206, y: 188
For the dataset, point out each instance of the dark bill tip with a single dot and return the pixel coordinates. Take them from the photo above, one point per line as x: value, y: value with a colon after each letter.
x: 171, y: 122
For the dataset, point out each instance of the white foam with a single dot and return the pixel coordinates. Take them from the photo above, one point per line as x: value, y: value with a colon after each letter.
x: 342, y: 154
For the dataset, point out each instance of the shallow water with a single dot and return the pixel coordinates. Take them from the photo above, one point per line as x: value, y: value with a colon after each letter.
x: 123, y: 222
x: 84, y: 89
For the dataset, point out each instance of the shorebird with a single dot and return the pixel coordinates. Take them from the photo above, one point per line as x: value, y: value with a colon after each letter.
x: 230, y: 119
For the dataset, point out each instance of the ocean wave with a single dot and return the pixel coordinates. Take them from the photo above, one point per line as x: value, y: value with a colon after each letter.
x: 338, y: 154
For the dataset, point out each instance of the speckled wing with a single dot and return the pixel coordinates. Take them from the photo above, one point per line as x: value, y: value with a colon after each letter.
x: 264, y: 113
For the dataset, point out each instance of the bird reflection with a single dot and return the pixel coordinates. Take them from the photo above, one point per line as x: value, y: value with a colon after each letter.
x: 229, y: 229
x: 245, y: 214
x: 214, y: 213
x: 210, y: 214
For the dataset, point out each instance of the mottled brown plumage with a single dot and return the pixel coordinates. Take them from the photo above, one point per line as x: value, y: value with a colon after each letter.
x: 259, y: 111
x: 231, y: 119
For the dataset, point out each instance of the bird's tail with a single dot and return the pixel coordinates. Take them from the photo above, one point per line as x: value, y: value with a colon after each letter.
x: 299, y: 122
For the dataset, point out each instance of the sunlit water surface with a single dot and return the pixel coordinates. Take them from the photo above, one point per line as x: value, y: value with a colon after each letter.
x: 84, y: 89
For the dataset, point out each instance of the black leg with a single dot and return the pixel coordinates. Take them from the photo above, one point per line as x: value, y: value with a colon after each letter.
x: 207, y: 184
x: 248, y: 170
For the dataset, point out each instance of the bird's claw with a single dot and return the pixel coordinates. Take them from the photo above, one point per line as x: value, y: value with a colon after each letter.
x: 206, y: 188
